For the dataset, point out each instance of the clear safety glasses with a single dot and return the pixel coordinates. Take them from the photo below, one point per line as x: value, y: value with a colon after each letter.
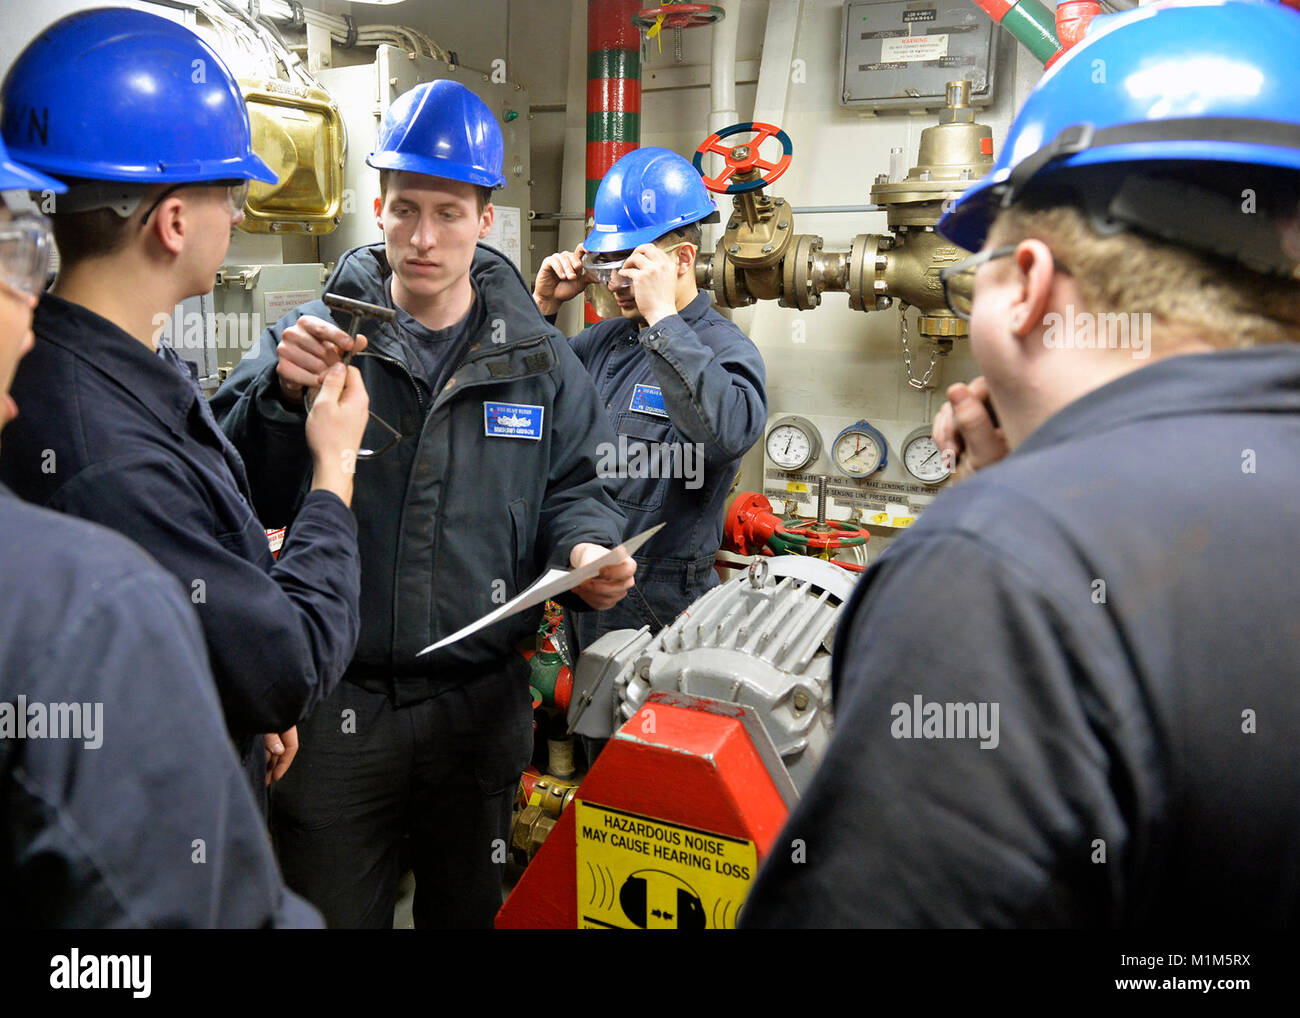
x: 602, y: 267
x: 236, y: 194
x: 26, y: 249
x: 959, y: 279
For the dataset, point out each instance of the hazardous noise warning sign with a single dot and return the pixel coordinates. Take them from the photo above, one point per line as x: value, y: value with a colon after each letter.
x: 638, y: 873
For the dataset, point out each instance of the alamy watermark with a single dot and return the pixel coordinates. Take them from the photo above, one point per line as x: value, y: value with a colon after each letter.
x: 1086, y: 330
x: 948, y: 720
x: 207, y: 330
x: 77, y: 971
x: 23, y: 720
x: 629, y: 458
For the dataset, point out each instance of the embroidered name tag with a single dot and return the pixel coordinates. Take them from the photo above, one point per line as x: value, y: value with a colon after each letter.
x: 648, y: 399
x: 512, y: 420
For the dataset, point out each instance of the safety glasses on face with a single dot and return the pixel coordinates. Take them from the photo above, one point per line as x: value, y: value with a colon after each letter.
x: 603, y: 266
x: 26, y: 248
x: 236, y: 194
x: 959, y: 280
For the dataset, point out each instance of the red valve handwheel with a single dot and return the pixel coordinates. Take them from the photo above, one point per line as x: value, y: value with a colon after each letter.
x: 679, y: 16
x: 735, y: 165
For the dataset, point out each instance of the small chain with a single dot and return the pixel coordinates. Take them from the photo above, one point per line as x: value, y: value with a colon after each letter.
x: 923, y: 382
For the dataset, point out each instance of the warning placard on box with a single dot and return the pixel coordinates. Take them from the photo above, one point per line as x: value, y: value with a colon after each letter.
x: 914, y: 47
x: 637, y: 873
x: 280, y: 303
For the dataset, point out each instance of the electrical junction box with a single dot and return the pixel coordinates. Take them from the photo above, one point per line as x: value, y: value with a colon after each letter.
x: 899, y: 55
x: 248, y: 299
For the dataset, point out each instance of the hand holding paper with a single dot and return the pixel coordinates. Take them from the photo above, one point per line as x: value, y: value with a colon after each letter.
x: 611, y: 584
x: 555, y: 582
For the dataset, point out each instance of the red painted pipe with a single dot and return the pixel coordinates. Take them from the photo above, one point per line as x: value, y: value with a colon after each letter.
x: 1030, y: 21
x: 613, y: 92
x: 1072, y: 20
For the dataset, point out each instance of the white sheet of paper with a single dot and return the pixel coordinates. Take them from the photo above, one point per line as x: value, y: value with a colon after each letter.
x: 550, y: 584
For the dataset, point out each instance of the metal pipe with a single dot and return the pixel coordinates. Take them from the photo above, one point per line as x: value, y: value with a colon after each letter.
x: 1072, y: 20
x: 613, y: 93
x: 1030, y: 21
x: 722, y: 86
x: 812, y: 210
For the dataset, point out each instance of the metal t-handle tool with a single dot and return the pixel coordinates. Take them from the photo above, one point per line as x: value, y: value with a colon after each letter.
x: 359, y: 309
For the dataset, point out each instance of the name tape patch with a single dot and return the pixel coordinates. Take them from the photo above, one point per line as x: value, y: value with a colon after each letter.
x: 648, y: 399
x: 512, y: 420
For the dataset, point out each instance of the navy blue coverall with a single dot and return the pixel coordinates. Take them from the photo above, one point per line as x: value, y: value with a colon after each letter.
x: 687, y: 394
x: 1123, y: 588
x: 493, y: 481
x: 136, y: 815
x: 116, y: 434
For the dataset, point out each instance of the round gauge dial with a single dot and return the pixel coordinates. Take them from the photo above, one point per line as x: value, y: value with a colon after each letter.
x: 860, y: 450
x: 922, y: 458
x: 793, y: 443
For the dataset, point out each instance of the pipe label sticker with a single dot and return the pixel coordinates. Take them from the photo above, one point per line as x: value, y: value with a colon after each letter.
x: 635, y: 873
x: 915, y: 47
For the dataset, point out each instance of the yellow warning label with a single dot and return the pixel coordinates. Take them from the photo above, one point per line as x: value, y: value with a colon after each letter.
x: 635, y: 873
x: 796, y: 487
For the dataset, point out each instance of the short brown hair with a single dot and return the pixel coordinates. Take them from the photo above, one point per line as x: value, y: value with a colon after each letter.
x: 1227, y: 304
x: 691, y: 233
x: 80, y: 236
x: 484, y: 193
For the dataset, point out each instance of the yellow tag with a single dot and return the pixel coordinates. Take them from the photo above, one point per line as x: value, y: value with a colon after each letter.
x: 879, y: 518
x: 903, y: 521
x: 655, y: 30
x: 635, y: 873
x: 796, y: 487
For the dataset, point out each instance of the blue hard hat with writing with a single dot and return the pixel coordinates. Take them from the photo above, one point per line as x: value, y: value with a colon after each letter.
x: 16, y: 177
x: 1193, y: 89
x: 441, y: 129
x: 122, y: 95
x: 647, y: 193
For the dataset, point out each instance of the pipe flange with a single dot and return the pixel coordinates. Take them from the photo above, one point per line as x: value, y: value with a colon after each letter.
x: 798, y: 288
x: 862, y: 272
x: 734, y: 292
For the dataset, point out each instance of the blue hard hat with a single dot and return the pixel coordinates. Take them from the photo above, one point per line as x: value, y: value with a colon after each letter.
x: 116, y: 94
x: 441, y: 129
x: 1184, y: 91
x: 15, y: 177
x: 647, y: 193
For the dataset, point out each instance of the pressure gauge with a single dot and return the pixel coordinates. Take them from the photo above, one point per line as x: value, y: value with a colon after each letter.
x: 922, y: 458
x: 793, y: 443
x: 860, y: 450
